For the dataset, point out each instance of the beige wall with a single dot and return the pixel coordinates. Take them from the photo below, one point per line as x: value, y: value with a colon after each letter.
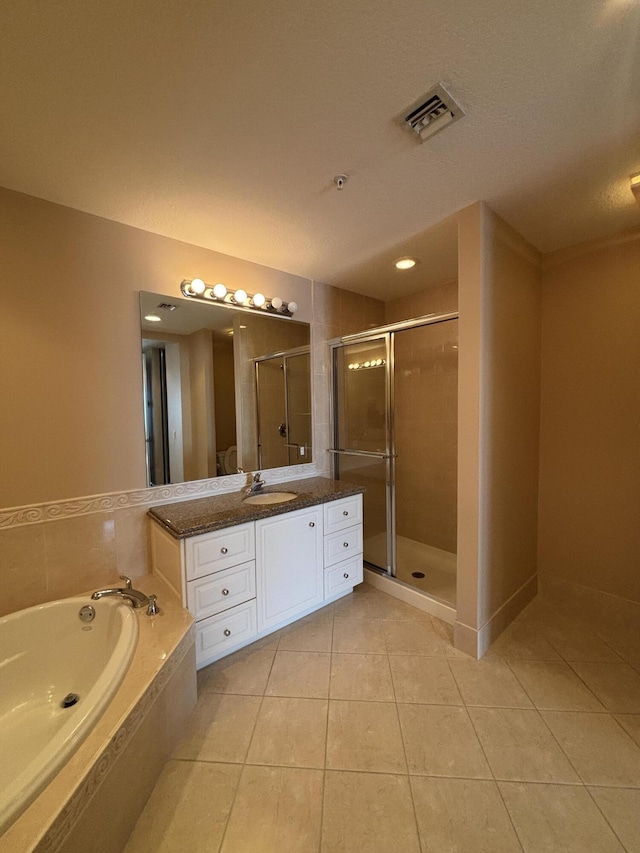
x: 441, y: 299
x: 70, y: 338
x: 499, y: 294
x: 590, y: 419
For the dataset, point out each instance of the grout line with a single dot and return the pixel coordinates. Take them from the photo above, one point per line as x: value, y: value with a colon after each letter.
x: 606, y: 819
x: 493, y: 776
x: 326, y: 737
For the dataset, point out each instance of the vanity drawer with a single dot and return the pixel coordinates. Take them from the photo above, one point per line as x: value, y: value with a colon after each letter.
x: 342, y: 545
x: 218, y: 633
x: 343, y: 513
x: 212, y: 552
x: 222, y: 590
x: 343, y: 576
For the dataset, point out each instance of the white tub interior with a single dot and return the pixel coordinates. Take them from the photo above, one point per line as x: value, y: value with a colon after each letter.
x: 46, y: 653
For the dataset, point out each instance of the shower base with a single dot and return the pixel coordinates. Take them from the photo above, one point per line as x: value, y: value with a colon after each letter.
x: 438, y: 566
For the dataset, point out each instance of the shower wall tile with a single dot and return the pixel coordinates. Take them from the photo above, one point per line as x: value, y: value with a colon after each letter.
x: 442, y: 299
x: 23, y: 568
x: 80, y: 553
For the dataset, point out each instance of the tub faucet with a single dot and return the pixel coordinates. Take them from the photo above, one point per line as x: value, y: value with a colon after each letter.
x: 127, y: 593
x: 256, y: 484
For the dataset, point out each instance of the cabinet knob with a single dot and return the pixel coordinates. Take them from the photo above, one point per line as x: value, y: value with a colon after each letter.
x: 345, y: 575
x: 225, y: 592
x: 345, y: 544
x: 227, y: 632
x: 224, y: 550
x: 312, y: 524
x: 345, y: 512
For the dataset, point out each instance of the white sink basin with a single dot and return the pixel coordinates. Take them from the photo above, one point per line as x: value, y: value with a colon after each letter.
x: 270, y: 498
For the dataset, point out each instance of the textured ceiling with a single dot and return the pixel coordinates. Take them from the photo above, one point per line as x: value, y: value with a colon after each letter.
x: 223, y: 124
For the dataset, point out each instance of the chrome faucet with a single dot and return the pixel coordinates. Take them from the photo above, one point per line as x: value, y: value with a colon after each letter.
x: 127, y: 593
x: 256, y: 484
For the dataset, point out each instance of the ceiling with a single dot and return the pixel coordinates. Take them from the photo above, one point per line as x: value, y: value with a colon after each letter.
x: 223, y: 124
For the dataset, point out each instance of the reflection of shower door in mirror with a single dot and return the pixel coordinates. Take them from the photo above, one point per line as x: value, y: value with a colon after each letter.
x: 283, y: 395
x: 362, y: 447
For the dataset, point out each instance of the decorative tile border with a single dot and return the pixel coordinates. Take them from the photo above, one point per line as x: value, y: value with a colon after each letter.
x: 36, y: 513
x: 64, y: 823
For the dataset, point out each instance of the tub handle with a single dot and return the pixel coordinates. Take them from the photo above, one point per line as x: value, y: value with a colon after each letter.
x: 127, y: 581
x: 152, y: 609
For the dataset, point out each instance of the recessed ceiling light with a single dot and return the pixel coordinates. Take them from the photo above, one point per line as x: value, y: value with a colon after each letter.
x: 153, y: 318
x: 405, y: 263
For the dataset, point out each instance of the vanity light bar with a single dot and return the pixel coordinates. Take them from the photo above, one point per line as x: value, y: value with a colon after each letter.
x: 196, y: 288
x: 365, y: 365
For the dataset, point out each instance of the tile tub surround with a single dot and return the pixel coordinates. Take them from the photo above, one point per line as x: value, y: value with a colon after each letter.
x: 397, y: 741
x: 190, y: 518
x: 121, y: 758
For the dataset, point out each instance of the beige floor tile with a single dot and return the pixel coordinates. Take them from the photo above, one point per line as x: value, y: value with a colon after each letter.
x: 519, y: 746
x: 359, y: 636
x: 621, y: 807
x: 369, y: 812
x: 291, y: 732
x: 425, y: 680
x: 363, y: 677
x: 276, y: 810
x: 554, y: 686
x: 439, y: 740
x: 562, y: 818
x: 579, y: 644
x: 393, y: 608
x: 220, y: 728
x: 631, y: 724
x: 244, y: 672
x: 360, y: 605
x: 617, y: 685
x: 489, y: 683
x: 364, y: 736
x: 303, y: 674
x: 623, y: 638
x: 312, y: 636
x: 460, y: 815
x: 417, y: 638
x: 598, y: 747
x: 522, y: 641
x: 187, y: 810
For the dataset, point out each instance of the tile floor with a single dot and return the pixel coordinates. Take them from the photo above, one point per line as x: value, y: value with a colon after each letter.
x: 362, y: 729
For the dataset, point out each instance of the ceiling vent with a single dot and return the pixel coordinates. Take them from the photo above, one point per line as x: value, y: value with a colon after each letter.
x: 167, y: 306
x: 432, y: 113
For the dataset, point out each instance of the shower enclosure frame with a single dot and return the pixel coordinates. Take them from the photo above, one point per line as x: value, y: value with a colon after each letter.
x: 387, y: 334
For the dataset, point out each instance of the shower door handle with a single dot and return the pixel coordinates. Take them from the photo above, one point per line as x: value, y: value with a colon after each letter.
x: 375, y: 454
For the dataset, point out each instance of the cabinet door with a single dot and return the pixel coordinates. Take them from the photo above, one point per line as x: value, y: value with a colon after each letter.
x: 289, y: 568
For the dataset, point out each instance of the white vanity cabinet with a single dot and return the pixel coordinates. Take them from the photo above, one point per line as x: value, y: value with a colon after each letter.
x: 244, y: 581
x: 289, y: 565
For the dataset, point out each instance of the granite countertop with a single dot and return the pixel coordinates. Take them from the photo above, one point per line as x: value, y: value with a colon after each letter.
x: 188, y: 518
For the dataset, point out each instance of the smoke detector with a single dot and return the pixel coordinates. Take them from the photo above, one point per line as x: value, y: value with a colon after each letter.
x: 432, y: 113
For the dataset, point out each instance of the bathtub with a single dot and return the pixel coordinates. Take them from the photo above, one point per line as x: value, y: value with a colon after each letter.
x: 49, y: 655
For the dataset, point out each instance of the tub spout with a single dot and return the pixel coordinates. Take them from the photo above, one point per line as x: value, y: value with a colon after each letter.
x: 133, y: 596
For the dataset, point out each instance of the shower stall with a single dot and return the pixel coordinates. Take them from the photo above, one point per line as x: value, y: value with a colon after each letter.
x: 395, y: 393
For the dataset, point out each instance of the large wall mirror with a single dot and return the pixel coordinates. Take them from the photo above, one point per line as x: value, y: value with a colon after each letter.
x: 224, y: 389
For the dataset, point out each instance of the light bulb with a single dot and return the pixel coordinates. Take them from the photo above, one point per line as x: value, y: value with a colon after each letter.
x: 405, y: 263
x: 367, y: 364
x: 356, y: 366
x: 240, y: 296
x: 276, y: 303
x: 259, y: 300
x: 219, y: 291
x: 198, y: 285
x: 292, y: 307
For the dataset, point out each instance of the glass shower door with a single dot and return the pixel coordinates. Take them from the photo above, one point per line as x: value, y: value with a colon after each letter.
x: 362, y: 452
